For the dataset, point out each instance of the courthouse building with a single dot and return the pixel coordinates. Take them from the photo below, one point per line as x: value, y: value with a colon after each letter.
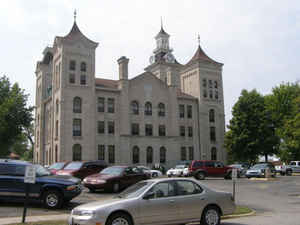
x: 171, y: 112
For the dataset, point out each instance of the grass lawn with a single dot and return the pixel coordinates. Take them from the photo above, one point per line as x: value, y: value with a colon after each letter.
x: 239, y: 210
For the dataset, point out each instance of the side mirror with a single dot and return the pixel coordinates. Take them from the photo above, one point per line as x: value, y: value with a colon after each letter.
x: 149, y: 195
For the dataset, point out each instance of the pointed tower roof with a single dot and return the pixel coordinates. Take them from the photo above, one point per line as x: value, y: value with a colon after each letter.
x: 162, y: 32
x: 201, y: 56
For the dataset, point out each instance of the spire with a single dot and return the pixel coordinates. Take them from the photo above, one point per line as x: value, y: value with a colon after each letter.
x: 75, y: 14
x: 198, y: 39
x: 161, y: 23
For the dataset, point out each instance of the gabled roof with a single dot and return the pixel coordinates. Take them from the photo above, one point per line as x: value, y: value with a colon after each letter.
x: 201, y: 56
x: 106, y: 83
x: 180, y: 94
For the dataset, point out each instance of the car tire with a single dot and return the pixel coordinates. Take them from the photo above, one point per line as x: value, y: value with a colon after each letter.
x: 52, y: 199
x: 154, y: 175
x: 211, y: 216
x: 200, y: 176
x: 116, y: 187
x: 119, y: 218
x: 169, y: 175
x: 228, y: 176
x: 91, y: 190
x: 288, y: 173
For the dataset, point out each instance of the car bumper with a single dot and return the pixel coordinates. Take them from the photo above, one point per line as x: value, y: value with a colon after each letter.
x: 79, y: 220
x: 72, y: 194
x: 255, y: 175
x: 98, y: 186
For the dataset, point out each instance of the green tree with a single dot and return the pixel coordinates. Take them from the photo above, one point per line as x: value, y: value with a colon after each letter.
x: 15, y: 115
x: 251, y: 131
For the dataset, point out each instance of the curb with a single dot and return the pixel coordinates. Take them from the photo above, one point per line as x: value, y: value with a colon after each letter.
x: 11, y: 220
x: 263, y: 179
x: 239, y: 215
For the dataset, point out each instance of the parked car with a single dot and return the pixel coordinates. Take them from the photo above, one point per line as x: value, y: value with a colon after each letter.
x: 295, y: 165
x: 57, y: 166
x: 201, y: 169
x: 158, y: 201
x: 242, y: 168
x: 152, y: 173
x: 259, y: 170
x: 284, y: 170
x: 177, y: 171
x: 114, y: 178
x: 51, y: 189
x: 82, y: 169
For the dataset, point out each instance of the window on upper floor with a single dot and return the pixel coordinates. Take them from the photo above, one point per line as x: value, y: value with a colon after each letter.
x: 148, y: 130
x: 57, y: 106
x: 148, y: 109
x: 76, y: 127
x: 135, y: 107
x: 101, y: 152
x: 190, y: 131
x: 77, y: 105
x: 83, y: 79
x: 56, y: 129
x: 101, y: 104
x: 216, y: 95
x: 204, y: 83
x: 162, y: 130
x: 181, y: 111
x: 216, y: 84
x: 111, y: 105
x: 211, y: 115
x: 101, y: 127
x: 72, y: 78
x: 189, y: 111
x: 212, y: 134
x: 72, y: 65
x: 182, y: 131
x: 183, y: 153
x: 83, y: 67
x: 111, y: 127
x: 205, y: 93
x: 210, y: 94
x: 161, y: 109
x: 210, y: 84
x: 135, y: 129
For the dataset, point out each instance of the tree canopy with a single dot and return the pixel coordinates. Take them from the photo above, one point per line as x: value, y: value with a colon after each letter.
x: 15, y: 115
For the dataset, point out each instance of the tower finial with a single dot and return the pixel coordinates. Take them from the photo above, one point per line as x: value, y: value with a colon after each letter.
x: 75, y: 14
x: 161, y: 23
x: 199, y: 39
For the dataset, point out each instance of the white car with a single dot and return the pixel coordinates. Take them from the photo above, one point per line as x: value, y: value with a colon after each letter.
x: 152, y: 173
x: 177, y: 171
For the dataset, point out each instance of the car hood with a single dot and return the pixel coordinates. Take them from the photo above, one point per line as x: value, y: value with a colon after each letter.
x: 102, y: 176
x: 60, y: 179
x: 101, y: 204
x: 254, y: 170
x: 65, y: 172
x: 175, y: 170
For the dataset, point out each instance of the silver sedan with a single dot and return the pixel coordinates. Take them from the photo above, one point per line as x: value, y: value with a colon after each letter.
x: 158, y: 201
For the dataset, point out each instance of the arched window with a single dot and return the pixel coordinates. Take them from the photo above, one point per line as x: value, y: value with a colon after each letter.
x: 161, y: 109
x: 135, y: 107
x: 135, y: 155
x: 77, y: 105
x: 148, y: 109
x: 162, y: 155
x: 83, y: 67
x: 211, y: 115
x: 213, y: 153
x: 77, y: 152
x: 72, y: 65
x: 149, y: 155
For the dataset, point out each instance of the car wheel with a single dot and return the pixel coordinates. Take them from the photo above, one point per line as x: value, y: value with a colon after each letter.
x: 211, y: 216
x: 169, y: 175
x: 116, y: 187
x: 154, y: 175
x: 92, y: 190
x: 53, y: 199
x: 289, y: 173
x: 228, y: 176
x: 119, y: 218
x: 200, y: 176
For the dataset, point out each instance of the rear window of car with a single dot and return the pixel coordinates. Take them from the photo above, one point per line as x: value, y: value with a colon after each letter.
x: 73, y: 166
x: 57, y: 166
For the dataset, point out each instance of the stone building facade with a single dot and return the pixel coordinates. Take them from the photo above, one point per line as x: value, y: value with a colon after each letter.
x: 171, y: 112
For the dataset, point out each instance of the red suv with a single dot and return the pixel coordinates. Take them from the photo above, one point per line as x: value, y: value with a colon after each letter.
x: 208, y: 168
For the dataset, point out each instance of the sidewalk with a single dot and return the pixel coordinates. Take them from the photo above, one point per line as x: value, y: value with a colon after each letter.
x: 10, y: 220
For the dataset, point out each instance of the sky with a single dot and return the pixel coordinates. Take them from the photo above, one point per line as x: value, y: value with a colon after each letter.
x: 257, y: 40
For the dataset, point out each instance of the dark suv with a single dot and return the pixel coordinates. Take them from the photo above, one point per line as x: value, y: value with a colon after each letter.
x: 51, y: 189
x: 204, y: 168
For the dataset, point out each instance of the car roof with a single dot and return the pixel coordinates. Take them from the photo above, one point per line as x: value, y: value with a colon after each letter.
x: 170, y: 179
x: 13, y: 161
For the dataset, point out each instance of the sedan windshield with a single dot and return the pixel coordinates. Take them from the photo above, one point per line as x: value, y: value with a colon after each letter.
x: 41, y: 171
x: 135, y: 190
x: 57, y: 166
x: 259, y: 166
x: 180, y: 167
x: 112, y: 170
x: 73, y: 166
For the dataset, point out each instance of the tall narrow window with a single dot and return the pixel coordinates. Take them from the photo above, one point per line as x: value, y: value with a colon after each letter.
x: 182, y: 131
x: 135, y: 155
x: 148, y: 109
x: 190, y: 131
x: 135, y: 107
x: 111, y: 127
x: 83, y: 79
x: 216, y: 84
x: 216, y: 95
x: 183, y: 153
x: 72, y: 65
x: 77, y: 155
x: 110, y: 105
x: 181, y: 111
x: 205, y: 93
x: 213, y: 134
x: 101, y: 152
x: 76, y: 127
x: 210, y: 94
x: 161, y: 109
x: 148, y: 130
x: 57, y: 106
x: 210, y: 83
x: 213, y: 153
x: 83, y: 67
x: 204, y: 82
x: 162, y: 130
x: 189, y: 111
x: 162, y: 155
x: 149, y: 153
x: 135, y: 129
x: 77, y: 105
x: 72, y: 78
x: 101, y: 104
x: 211, y: 115
x: 111, y: 154
x: 191, y: 153
x: 101, y: 127
x: 56, y: 129
x: 56, y: 154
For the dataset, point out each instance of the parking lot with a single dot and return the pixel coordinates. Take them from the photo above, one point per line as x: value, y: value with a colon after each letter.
x: 275, y: 202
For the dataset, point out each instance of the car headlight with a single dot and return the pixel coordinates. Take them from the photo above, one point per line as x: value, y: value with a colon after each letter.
x: 71, y: 187
x: 87, y: 213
